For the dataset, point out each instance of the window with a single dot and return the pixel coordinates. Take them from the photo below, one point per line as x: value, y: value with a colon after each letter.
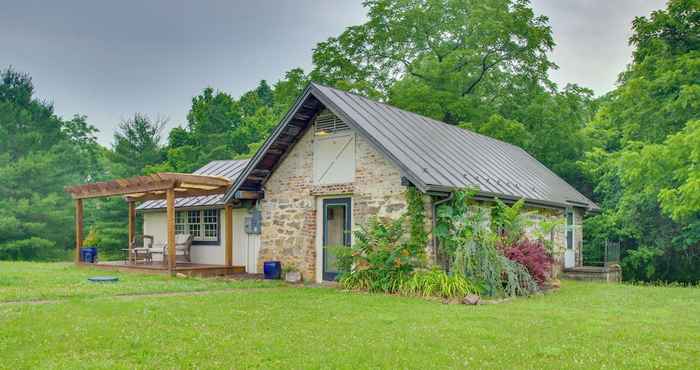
x: 203, y: 225
x: 570, y: 229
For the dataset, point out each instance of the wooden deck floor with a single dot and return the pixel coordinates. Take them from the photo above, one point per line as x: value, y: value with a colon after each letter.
x: 191, y: 269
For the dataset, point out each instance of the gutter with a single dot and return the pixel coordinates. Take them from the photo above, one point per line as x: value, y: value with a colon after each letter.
x: 434, y: 221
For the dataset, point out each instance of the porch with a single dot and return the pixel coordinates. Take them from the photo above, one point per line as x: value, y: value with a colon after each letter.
x: 160, y: 186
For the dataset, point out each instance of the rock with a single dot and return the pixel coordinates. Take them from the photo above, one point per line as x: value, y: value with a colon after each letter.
x: 553, y: 284
x: 472, y: 299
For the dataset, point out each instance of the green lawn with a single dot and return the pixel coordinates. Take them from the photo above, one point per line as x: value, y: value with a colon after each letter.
x: 261, y: 325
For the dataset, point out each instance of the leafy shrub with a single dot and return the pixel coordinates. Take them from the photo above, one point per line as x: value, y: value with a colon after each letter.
x: 534, y: 256
x: 422, y: 283
x: 437, y: 283
x: 471, y: 244
x: 509, y: 222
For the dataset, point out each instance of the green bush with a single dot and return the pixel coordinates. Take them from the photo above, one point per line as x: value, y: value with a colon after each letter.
x: 472, y: 246
x: 437, y: 283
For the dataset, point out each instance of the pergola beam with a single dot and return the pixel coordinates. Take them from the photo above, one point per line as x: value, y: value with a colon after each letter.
x: 229, y: 235
x: 170, y: 210
x: 78, y: 229
x: 132, y: 226
x: 153, y: 186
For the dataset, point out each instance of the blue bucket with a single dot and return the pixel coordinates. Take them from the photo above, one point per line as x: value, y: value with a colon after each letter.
x: 272, y: 269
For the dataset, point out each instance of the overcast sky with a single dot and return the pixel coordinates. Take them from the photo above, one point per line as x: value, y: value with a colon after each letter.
x: 109, y: 59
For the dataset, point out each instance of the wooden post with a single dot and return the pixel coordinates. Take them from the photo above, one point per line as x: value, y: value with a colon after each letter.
x: 78, y: 229
x: 229, y: 235
x: 132, y: 227
x: 170, y: 206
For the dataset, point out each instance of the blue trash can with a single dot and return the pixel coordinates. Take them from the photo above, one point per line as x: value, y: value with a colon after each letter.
x: 88, y: 255
x: 272, y: 269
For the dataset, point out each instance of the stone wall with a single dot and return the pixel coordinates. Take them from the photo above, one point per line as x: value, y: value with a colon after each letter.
x: 289, y: 208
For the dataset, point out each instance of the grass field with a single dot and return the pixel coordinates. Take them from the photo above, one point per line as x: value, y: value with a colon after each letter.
x: 248, y: 324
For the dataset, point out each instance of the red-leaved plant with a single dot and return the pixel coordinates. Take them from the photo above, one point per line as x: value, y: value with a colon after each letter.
x: 534, y: 256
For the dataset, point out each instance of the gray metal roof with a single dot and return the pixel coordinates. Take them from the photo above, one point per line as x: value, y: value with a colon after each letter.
x: 436, y: 156
x: 445, y: 157
x: 229, y: 169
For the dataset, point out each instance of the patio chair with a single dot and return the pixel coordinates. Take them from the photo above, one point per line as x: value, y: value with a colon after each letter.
x: 183, y: 246
x: 140, y: 249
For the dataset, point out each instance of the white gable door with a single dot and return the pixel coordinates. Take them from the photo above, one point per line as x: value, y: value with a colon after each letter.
x: 334, y: 159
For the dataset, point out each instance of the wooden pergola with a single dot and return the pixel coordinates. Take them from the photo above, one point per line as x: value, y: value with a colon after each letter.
x: 166, y: 186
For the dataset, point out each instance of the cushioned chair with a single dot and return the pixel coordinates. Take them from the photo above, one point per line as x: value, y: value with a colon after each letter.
x: 183, y: 246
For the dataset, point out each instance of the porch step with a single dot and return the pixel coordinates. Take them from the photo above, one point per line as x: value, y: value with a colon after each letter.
x: 610, y: 274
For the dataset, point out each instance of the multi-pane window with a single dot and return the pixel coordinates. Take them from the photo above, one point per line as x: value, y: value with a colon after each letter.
x: 570, y: 229
x: 203, y: 225
x: 211, y: 224
x: 180, y: 223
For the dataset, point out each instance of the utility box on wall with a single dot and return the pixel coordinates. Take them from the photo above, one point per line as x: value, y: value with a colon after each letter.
x: 253, y: 222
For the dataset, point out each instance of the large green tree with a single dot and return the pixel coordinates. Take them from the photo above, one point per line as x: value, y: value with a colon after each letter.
x: 645, y: 159
x: 40, y: 153
x: 479, y: 64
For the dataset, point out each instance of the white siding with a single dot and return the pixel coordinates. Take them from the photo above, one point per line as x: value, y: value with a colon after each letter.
x: 245, y: 247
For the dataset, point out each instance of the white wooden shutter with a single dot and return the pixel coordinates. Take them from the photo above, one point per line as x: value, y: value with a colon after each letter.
x: 334, y: 159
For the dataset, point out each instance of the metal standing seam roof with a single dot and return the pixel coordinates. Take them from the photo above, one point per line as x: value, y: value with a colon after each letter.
x: 436, y: 156
x: 229, y: 169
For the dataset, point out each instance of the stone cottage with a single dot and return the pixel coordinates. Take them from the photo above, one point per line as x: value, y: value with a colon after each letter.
x: 337, y: 158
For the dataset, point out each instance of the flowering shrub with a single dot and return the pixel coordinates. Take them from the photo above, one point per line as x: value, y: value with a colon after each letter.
x: 534, y: 256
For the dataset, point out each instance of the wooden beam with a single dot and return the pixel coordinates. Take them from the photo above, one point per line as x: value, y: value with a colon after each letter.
x: 92, y: 191
x: 229, y: 235
x: 178, y: 194
x: 78, y: 229
x: 196, y: 179
x: 170, y: 211
x: 146, y: 184
x: 132, y: 226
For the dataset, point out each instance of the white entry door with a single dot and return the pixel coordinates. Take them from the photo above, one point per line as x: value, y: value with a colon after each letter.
x: 245, y: 246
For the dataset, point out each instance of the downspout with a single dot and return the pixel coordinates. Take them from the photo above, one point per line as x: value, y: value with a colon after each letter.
x: 434, y: 219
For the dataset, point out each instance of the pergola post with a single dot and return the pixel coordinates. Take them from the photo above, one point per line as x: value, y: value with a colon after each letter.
x: 132, y: 227
x: 229, y: 235
x: 170, y: 206
x: 78, y: 229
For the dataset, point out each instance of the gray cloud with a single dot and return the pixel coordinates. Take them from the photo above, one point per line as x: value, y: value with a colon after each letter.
x: 110, y: 59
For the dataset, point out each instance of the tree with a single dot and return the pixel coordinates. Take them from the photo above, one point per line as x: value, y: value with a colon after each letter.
x: 466, y: 50
x: 39, y: 154
x: 645, y: 138
x: 137, y: 144
x: 479, y: 64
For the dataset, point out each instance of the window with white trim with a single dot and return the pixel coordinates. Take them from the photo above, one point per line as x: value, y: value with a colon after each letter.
x: 203, y: 225
x: 570, y: 227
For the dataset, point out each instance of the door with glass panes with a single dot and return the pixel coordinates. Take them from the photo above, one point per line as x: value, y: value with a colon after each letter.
x: 336, y: 233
